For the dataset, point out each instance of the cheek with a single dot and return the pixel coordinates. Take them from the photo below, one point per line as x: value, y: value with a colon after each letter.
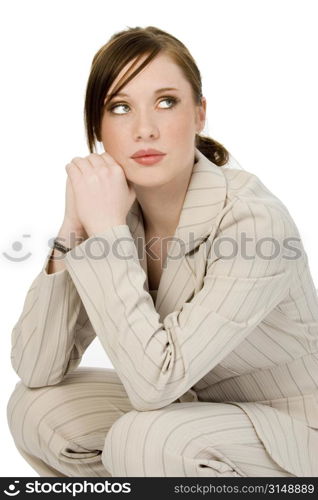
x: 182, y: 126
x: 112, y: 136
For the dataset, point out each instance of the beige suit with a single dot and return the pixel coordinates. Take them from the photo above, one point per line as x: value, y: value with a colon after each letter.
x: 218, y: 377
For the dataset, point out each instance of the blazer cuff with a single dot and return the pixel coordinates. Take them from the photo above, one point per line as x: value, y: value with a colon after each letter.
x: 116, y: 242
x: 59, y: 276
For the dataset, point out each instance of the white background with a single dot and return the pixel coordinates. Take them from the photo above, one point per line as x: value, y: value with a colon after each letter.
x: 258, y: 61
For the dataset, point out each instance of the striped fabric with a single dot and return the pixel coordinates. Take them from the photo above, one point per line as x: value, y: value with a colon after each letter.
x: 234, y: 320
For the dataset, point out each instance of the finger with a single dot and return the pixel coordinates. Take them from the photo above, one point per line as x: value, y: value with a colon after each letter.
x: 83, y: 164
x: 112, y: 164
x: 73, y: 172
x: 96, y: 160
x: 108, y: 158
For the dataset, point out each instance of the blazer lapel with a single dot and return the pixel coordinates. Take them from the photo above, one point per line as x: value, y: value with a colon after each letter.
x: 185, y: 263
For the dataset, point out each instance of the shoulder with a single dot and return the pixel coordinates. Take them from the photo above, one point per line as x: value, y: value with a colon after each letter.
x: 244, y: 187
x: 248, y: 186
x: 255, y: 225
x: 251, y: 204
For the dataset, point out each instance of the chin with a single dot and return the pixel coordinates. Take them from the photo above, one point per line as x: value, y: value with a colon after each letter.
x: 148, y: 180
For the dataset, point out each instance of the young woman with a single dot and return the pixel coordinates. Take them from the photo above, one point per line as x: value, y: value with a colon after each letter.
x: 194, y: 278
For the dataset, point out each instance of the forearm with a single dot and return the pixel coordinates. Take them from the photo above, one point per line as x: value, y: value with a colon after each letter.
x: 53, y: 329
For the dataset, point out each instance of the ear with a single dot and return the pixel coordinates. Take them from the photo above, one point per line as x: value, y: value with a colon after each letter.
x: 201, y: 115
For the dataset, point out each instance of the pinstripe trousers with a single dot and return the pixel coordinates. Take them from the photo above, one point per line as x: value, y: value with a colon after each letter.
x: 86, y: 426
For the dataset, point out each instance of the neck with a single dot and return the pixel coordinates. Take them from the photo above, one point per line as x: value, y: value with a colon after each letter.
x: 161, y: 205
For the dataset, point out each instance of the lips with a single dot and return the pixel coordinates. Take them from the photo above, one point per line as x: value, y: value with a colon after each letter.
x: 147, y: 152
x: 152, y: 154
x: 148, y: 160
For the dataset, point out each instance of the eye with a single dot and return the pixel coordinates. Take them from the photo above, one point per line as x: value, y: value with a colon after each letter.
x: 111, y: 109
x: 173, y: 100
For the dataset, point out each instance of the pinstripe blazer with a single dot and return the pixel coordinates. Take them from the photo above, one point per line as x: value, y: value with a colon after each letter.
x: 226, y: 325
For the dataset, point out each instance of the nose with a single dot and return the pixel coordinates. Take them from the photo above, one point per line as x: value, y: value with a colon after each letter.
x: 145, y: 127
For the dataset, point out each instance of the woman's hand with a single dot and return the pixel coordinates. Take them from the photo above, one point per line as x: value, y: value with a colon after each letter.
x: 102, y: 193
x: 70, y: 213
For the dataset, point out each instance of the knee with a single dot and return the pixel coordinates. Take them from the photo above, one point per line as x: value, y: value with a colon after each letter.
x: 14, y: 410
x: 34, y: 418
x: 24, y: 411
x: 35, y: 427
x: 137, y: 445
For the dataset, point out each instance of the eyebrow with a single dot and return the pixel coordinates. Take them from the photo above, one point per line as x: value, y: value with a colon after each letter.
x: 163, y: 89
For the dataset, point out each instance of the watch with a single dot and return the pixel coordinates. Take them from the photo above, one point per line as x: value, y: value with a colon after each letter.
x: 60, y: 247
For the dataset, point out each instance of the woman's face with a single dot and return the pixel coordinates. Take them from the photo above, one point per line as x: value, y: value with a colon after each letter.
x: 165, y: 120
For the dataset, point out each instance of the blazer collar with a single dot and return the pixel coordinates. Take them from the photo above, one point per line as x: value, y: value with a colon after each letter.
x: 204, y: 199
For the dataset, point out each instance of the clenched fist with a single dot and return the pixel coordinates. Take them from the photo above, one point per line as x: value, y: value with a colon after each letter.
x: 102, y: 194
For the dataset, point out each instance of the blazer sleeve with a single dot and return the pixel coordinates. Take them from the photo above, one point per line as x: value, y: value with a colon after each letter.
x: 52, y: 332
x: 159, y: 361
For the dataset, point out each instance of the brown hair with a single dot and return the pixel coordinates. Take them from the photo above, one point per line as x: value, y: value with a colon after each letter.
x: 111, y: 58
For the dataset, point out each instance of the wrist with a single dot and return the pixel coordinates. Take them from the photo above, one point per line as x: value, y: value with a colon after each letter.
x: 101, y: 229
x: 70, y: 235
x: 74, y: 227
